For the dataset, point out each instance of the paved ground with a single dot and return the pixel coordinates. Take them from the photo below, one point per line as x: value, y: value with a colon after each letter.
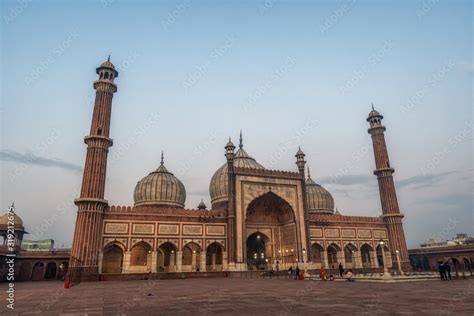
x: 231, y: 296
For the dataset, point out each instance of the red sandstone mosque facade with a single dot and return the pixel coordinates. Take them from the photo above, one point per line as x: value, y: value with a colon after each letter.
x: 259, y: 218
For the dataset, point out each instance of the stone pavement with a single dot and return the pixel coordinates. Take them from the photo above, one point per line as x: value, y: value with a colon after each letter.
x: 235, y: 296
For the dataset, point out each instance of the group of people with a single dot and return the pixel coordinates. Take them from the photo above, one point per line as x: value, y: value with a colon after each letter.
x: 331, y: 277
x: 294, y: 273
x: 444, y: 269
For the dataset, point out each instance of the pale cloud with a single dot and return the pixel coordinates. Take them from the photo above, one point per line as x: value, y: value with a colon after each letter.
x: 29, y: 158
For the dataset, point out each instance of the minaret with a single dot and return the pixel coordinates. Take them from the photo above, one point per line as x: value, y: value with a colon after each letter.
x: 91, y: 203
x: 232, y: 246
x: 388, y: 196
x: 300, y: 163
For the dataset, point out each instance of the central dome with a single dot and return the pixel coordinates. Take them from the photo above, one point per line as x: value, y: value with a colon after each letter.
x: 318, y: 199
x: 219, y: 182
x: 160, y: 188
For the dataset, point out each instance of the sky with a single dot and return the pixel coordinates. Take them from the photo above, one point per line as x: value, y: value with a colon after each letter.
x: 286, y: 73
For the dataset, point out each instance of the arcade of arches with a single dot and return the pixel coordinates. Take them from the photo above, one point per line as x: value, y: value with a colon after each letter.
x: 350, y: 256
x: 34, y: 270
x: 142, y: 258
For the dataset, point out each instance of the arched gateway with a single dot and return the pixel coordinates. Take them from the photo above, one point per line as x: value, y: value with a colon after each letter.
x: 271, y: 233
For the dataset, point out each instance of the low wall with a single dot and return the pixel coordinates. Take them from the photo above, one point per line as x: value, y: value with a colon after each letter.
x: 161, y: 275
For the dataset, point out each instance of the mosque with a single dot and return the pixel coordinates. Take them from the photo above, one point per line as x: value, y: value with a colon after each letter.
x: 258, y: 219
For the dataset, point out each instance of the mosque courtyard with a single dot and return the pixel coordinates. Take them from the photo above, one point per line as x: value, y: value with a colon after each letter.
x: 244, y: 296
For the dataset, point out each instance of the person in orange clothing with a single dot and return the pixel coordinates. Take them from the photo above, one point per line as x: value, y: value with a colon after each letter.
x: 322, y: 273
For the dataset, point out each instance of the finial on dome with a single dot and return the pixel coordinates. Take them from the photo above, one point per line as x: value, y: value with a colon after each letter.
x: 162, y: 159
x: 240, y: 140
x: 229, y: 144
x: 201, y: 205
x: 108, y: 58
x: 372, y: 107
x: 309, y: 173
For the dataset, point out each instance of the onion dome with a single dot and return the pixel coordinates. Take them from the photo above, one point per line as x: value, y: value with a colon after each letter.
x: 219, y: 182
x: 202, y: 206
x: 160, y: 188
x: 17, y: 221
x: 318, y: 199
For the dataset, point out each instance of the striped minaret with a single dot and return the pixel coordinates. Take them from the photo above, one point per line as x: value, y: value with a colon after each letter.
x: 91, y: 203
x: 388, y: 196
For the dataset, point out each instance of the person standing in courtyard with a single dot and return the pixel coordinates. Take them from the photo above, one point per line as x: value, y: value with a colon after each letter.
x: 341, y: 269
x: 448, y: 270
x: 441, y: 270
x: 290, y: 272
x: 297, y: 273
x: 322, y: 273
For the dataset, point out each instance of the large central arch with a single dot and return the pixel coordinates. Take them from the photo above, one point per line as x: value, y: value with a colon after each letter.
x: 273, y: 219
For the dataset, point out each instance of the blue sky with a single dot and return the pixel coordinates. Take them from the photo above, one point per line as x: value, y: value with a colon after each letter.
x: 287, y: 73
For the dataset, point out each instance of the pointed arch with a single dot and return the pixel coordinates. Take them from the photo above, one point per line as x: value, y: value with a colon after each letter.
x: 365, y: 252
x: 166, y: 257
x: 191, y: 256
x: 214, y: 256
x: 139, y: 254
x: 112, y: 259
x: 332, y: 251
x: 349, y: 255
x: 317, y: 253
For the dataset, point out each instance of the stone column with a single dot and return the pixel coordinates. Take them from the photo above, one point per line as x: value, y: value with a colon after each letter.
x: 357, y: 260
x: 388, y: 258
x: 213, y: 262
x: 324, y: 259
x: 193, y: 261
x: 179, y: 261
x: 341, y: 258
x: 203, y: 262
x: 373, y: 259
x: 126, y: 262
x: 172, y: 266
x: 224, y: 261
x: 154, y: 261
x: 101, y: 258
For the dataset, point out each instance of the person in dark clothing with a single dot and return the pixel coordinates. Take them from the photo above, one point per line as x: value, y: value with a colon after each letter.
x: 297, y: 273
x: 290, y: 272
x: 448, y: 270
x: 442, y: 271
x: 341, y: 269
